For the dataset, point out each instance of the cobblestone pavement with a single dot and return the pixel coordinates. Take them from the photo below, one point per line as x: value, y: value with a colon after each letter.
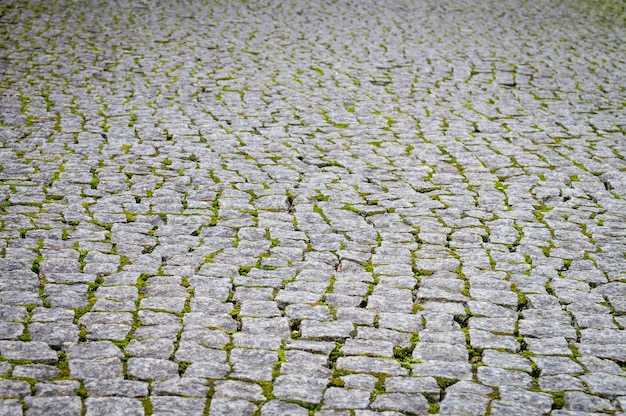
x: 313, y: 207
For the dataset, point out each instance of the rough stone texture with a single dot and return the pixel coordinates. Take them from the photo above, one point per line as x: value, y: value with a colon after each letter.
x: 277, y: 408
x: 300, y: 388
x: 371, y: 365
x: 491, y: 376
x: 10, y: 407
x: 176, y: 406
x: 14, y: 389
x: 221, y: 406
x: 151, y: 369
x: 414, y: 404
x: 351, y: 206
x: 118, y: 406
x: 338, y: 398
x: 605, y: 385
x: 187, y: 386
x: 62, y: 406
x: 108, y: 368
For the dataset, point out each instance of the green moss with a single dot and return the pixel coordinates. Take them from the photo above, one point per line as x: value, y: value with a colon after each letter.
x: 444, y: 383
x: 403, y: 355
x: 559, y: 399
x: 62, y: 365
x: 147, y: 406
x: 267, y: 387
x: 336, y: 382
x: 182, y: 367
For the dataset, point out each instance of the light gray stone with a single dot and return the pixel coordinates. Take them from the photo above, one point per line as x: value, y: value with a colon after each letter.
x: 277, y: 408
x: 122, y: 406
x: 62, y: 406
x: 339, y: 398
x: 299, y: 388
x: 151, y: 369
x: 414, y: 404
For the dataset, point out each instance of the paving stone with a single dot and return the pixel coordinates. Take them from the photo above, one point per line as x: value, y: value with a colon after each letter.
x: 448, y: 337
x: 221, y: 406
x: 548, y: 346
x: 151, y: 369
x: 10, y: 407
x: 175, y: 406
x: 338, y: 398
x: 605, y: 385
x: 116, y: 387
x: 38, y: 352
x: 36, y: 371
x: 94, y: 351
x: 463, y: 403
x: 115, y: 332
x: 545, y: 329
x: 314, y: 370
x: 91, y: 318
x: 299, y: 388
x: 153, y: 348
x: 69, y: 406
x: 11, y: 330
x: 574, y: 413
x: 403, y: 402
x: 187, y: 387
x: 557, y: 365
x: 371, y: 365
x: 276, y: 408
x: 57, y: 388
x: 163, y: 303
x: 304, y: 357
x: 512, y: 394
x: 444, y: 369
x: 207, y: 370
x: 492, y: 376
x: 502, y: 407
x: 373, y: 348
x: 259, y: 309
x: 288, y: 297
x: 5, y: 368
x: 399, y: 301
x: 610, y: 351
x: 14, y: 389
x: 375, y: 413
x: 359, y: 381
x: 189, y: 351
x: 327, y: 331
x: 232, y: 390
x: 599, y: 365
x: 560, y: 382
x: 582, y: 402
x: 113, y: 406
x: 401, y: 339
x: 251, y: 341
x: 157, y: 331
x: 106, y: 368
x: 278, y: 327
x: 157, y: 318
x: 425, y: 385
x: 432, y: 351
x: 493, y: 358
x: 483, y: 339
x: 305, y: 311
